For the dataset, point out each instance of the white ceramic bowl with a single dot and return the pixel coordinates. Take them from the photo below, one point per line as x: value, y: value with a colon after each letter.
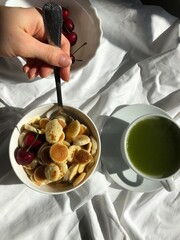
x: 87, y: 26
x: 18, y: 169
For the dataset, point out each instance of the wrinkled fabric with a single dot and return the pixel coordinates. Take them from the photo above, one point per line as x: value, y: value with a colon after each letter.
x: 137, y: 62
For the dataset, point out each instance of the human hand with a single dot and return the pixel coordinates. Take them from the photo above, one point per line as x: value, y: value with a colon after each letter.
x: 23, y: 34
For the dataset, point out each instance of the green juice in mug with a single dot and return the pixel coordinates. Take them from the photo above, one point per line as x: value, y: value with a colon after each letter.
x: 153, y: 147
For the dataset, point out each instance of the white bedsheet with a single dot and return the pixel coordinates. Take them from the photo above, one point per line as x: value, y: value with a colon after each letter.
x: 138, y: 62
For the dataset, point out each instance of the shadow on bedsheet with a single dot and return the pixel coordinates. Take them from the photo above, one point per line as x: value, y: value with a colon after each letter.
x: 8, y: 120
x: 9, y: 117
x: 170, y: 6
x: 111, y: 154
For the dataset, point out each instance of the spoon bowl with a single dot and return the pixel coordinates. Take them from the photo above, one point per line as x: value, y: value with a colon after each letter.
x: 60, y: 112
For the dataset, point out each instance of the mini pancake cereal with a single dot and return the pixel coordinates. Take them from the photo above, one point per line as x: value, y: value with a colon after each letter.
x: 51, y: 151
x: 58, y: 152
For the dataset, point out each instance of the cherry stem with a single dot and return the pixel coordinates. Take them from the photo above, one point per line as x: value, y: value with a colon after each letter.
x: 79, y: 48
x: 18, y: 129
x: 66, y: 28
x: 37, y: 135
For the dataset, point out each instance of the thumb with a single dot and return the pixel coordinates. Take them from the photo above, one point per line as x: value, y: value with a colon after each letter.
x: 52, y: 55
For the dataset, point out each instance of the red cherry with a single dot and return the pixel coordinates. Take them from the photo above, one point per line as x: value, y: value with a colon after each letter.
x: 24, y: 157
x: 68, y: 25
x: 65, y: 12
x: 31, y: 141
x: 72, y: 37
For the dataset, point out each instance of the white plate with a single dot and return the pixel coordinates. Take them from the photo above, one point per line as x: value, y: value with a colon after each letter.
x: 111, y: 157
x: 87, y: 26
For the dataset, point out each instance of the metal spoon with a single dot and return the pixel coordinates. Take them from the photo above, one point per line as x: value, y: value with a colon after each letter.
x: 53, y: 20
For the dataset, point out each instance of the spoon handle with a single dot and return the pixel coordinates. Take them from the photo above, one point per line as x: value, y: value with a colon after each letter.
x: 53, y: 20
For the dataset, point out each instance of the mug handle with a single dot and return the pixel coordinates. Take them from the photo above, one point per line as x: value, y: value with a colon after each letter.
x: 168, y: 184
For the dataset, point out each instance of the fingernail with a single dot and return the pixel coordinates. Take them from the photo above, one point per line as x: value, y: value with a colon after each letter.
x: 32, y: 76
x: 64, y: 61
x: 26, y: 69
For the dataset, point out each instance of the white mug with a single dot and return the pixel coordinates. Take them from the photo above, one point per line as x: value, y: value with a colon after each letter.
x: 146, y: 144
